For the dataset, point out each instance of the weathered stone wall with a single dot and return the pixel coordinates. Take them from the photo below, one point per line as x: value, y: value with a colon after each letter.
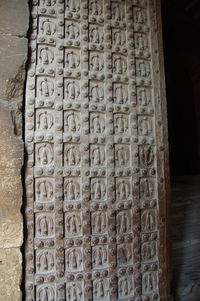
x: 14, y: 21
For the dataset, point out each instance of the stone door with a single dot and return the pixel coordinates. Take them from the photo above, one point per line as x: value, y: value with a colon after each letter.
x: 95, y: 177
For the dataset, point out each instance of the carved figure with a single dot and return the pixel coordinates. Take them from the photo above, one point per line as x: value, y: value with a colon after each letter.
x: 96, y: 63
x: 148, y: 220
x: 144, y: 97
x: 74, y: 259
x: 141, y: 41
x: 140, y: 16
x: 125, y: 286
x: 145, y: 126
x: 123, y: 190
x: 146, y: 155
x: 100, y: 289
x: 46, y: 293
x: 99, y: 256
x: 72, y: 122
x: 47, y: 27
x: 72, y: 155
x: 72, y: 31
x: 72, y: 190
x: 72, y: 60
x: 124, y: 254
x: 99, y: 222
x: 146, y: 188
x: 122, y: 155
x: 46, y: 88
x: 97, y: 124
x: 98, y: 190
x: 123, y: 222
x: 148, y: 250
x: 72, y: 90
x: 45, y: 261
x: 117, y: 12
x: 144, y: 68
x: 74, y: 291
x: 120, y: 94
x: 44, y: 225
x: 44, y: 120
x: 96, y: 93
x: 96, y: 35
x: 121, y: 124
x: 97, y: 155
x: 120, y: 66
x: 73, y: 224
x: 44, y: 190
x: 46, y: 56
x: 149, y: 282
x: 95, y: 8
x: 45, y: 154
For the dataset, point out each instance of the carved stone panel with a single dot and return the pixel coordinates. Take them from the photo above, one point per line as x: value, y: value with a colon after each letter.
x: 94, y: 147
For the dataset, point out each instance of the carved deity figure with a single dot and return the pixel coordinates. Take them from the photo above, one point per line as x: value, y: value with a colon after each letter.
x: 73, y: 224
x: 97, y: 124
x: 148, y: 250
x: 74, y: 259
x: 44, y: 190
x: 98, y: 190
x: 124, y: 254
x: 121, y: 124
x: 46, y: 293
x: 119, y: 38
x: 96, y: 93
x: 72, y: 155
x: 47, y: 27
x: 144, y: 68
x: 100, y: 289
x: 96, y: 63
x: 72, y: 31
x: 125, y: 286
x: 117, y: 12
x: 140, y: 16
x: 146, y: 188
x: 72, y: 122
x: 72, y: 90
x: 46, y: 56
x: 144, y: 97
x: 99, y: 256
x: 72, y: 190
x: 119, y: 65
x: 123, y: 190
x: 45, y: 154
x: 95, y: 8
x: 98, y: 156
x: 146, y: 155
x: 122, y: 156
x: 120, y: 94
x: 46, y: 88
x: 148, y: 221
x: 99, y: 222
x: 74, y: 292
x: 145, y: 126
x: 45, y: 261
x: 44, y: 121
x: 72, y: 60
x: 96, y: 35
x: 123, y: 222
x: 149, y: 282
x: 141, y: 41
x: 44, y: 225
x: 73, y: 6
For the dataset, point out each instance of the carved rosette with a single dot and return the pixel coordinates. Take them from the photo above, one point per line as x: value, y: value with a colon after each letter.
x: 92, y: 197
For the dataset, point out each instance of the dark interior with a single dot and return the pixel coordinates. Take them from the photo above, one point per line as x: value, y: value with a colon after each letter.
x: 181, y: 35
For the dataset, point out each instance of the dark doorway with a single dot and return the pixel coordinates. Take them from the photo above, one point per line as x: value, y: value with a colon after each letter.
x: 181, y: 33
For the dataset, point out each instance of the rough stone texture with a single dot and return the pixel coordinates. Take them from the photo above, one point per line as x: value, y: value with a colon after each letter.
x: 14, y: 23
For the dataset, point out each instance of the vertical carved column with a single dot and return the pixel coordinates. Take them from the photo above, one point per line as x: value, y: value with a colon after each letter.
x: 94, y: 175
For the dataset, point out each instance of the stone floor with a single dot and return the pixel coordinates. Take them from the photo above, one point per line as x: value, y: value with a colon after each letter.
x: 186, y: 238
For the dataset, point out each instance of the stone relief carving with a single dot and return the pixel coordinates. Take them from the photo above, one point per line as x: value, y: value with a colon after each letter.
x: 92, y: 213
